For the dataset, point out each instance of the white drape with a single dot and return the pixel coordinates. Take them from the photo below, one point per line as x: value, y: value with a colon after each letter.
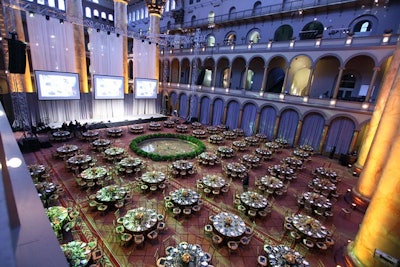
x: 106, y: 58
x: 52, y: 49
x: 144, y: 66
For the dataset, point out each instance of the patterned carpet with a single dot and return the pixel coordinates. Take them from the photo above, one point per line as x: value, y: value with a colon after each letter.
x: 93, y: 225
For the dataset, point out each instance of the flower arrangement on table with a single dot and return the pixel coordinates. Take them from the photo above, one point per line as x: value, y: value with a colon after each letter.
x: 228, y: 221
x: 290, y: 258
x: 139, y: 216
x: 186, y: 257
x: 185, y: 193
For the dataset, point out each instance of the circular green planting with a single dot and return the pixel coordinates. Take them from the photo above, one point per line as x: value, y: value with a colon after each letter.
x: 167, y: 146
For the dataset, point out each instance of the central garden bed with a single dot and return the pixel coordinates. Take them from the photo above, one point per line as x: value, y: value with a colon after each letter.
x: 167, y: 146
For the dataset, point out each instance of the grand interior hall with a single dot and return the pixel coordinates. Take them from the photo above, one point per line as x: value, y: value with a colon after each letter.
x: 199, y: 133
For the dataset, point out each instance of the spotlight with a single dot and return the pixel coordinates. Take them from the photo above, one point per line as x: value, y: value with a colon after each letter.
x: 61, y: 21
x: 31, y: 14
x: 98, y: 30
x: 47, y: 18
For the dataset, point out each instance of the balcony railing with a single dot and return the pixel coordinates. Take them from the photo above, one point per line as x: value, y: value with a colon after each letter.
x: 264, y: 11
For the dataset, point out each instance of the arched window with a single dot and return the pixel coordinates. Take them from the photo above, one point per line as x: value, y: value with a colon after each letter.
x: 173, y: 4
x: 52, y: 3
x: 141, y: 13
x: 167, y: 6
x: 96, y: 13
x: 230, y: 38
x: 210, y: 40
x: 110, y: 17
x: 363, y: 26
x: 283, y: 33
x: 103, y: 15
x: 254, y: 36
x: 231, y: 11
x: 137, y: 15
x: 193, y: 19
x: 61, y: 4
x: 211, y: 19
x: 146, y: 13
x: 311, y: 30
x: 256, y: 7
x: 88, y: 12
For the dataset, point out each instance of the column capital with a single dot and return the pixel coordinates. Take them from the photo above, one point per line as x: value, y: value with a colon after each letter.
x: 121, y: 1
x: 156, y: 7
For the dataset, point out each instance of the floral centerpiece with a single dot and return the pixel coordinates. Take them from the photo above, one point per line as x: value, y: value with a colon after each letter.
x: 139, y: 216
x: 290, y: 258
x: 185, y: 193
x: 228, y: 221
x: 185, y: 257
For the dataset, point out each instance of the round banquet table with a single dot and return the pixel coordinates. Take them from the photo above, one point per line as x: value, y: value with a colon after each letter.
x: 169, y: 124
x: 181, y: 128
x: 114, y: 132
x: 111, y: 193
x: 236, y: 169
x: 309, y: 226
x: 229, y: 225
x: 140, y: 220
x: 184, y: 197
x: 317, y: 201
x: 282, y: 142
x: 94, y: 173
x: 213, y: 181
x: 326, y: 173
x: 66, y: 149
x: 196, y: 125
x: 79, y: 159
x: 114, y: 151
x: 304, y: 155
x: 263, y: 153
x: 281, y: 171
x: 216, y: 139
x: 185, y: 254
x: 154, y: 126
x: 212, y: 130
x: 225, y: 151
x: 90, y: 135
x: 208, y: 158
x: 253, y: 200
x: 252, y: 140
x: 251, y: 160
x: 36, y: 170
x: 284, y: 256
x: 241, y: 145
x: 239, y: 132
x: 293, y: 162
x: 229, y: 134
x: 135, y: 129
x: 78, y: 253
x: 58, y: 216
x: 272, y: 145
x: 271, y: 182
x: 153, y: 177
x: 182, y: 165
x: 307, y: 148
x: 59, y: 135
x: 199, y: 133
x: 323, y: 184
x: 130, y: 162
x: 101, y: 144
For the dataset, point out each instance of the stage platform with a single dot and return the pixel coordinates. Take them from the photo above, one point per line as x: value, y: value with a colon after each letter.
x: 116, y: 122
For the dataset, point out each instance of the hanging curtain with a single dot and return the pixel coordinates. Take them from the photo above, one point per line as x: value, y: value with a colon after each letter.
x: 288, y: 125
x: 194, y: 102
x: 339, y: 136
x: 145, y: 65
x: 205, y: 110
x: 232, y: 115
x: 311, y: 133
x: 267, y: 122
x: 173, y: 101
x: 106, y: 58
x: 183, y: 107
x: 249, y: 119
x: 218, y: 112
x: 52, y: 50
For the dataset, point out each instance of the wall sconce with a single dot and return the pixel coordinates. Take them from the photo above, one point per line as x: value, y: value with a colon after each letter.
x: 261, y: 93
x: 31, y: 14
x: 203, y: 49
x: 269, y: 45
x: 170, y: 51
x: 162, y: 52
x: 365, y: 106
x: 226, y: 90
x: 232, y: 47
x: 332, y: 102
x: 291, y: 44
x: 281, y: 96
x: 188, y: 86
x: 386, y: 36
x: 191, y: 50
x: 212, y: 88
x: 318, y: 41
x: 61, y: 21
x: 305, y: 99
x: 349, y: 38
x: 169, y: 84
x: 250, y: 45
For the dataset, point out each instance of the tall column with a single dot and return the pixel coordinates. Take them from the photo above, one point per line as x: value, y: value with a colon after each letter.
x: 386, y: 129
x: 120, y: 20
x: 376, y: 115
x: 380, y: 229
x: 240, y: 117
x: 298, y: 132
x: 229, y: 77
x: 353, y: 141
x: 372, y: 84
x: 338, y: 81
x: 324, y: 135
x: 285, y: 80
x: 156, y: 8
x: 257, y: 123
x: 244, y: 82
x: 21, y: 82
x: 278, y: 120
x: 224, y: 115
x: 264, y: 81
x: 309, y: 82
x: 211, y: 114
x: 214, y: 78
x: 75, y: 12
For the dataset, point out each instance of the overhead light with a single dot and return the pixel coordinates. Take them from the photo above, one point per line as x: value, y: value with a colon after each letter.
x: 31, y: 14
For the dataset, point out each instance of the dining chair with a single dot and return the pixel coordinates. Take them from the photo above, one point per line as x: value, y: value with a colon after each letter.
x: 233, y: 246
x: 138, y: 240
x: 217, y: 240
x: 208, y: 230
x: 152, y: 236
x: 262, y: 261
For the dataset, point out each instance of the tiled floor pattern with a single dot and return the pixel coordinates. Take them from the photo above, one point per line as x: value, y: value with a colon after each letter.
x: 191, y: 229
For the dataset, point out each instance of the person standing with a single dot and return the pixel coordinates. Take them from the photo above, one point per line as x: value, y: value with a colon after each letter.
x: 245, y: 182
